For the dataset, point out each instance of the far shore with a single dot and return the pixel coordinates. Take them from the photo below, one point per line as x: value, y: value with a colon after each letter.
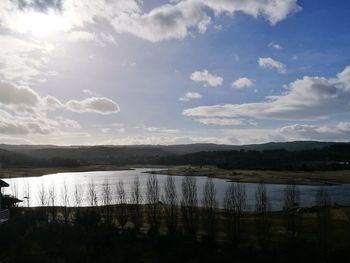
x: 256, y: 176
x: 34, y: 172
x: 245, y: 176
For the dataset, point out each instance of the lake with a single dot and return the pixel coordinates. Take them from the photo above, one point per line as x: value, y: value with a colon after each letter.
x: 20, y: 187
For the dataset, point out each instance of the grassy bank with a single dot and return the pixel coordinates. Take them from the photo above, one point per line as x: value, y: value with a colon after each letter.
x: 256, y: 176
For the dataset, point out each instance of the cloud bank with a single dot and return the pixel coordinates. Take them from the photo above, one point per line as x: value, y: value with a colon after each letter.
x: 305, y: 99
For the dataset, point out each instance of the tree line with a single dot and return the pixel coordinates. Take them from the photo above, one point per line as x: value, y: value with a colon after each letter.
x: 162, y: 210
x: 333, y: 157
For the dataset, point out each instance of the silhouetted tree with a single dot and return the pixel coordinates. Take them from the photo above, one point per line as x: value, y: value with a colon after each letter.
x: 122, y: 212
x: 136, y: 196
x: 189, y: 206
x: 27, y: 194
x: 210, y: 205
x: 78, y: 198
x: 65, y: 201
x: 324, y: 219
x: 52, y: 200
x: 263, y: 217
x: 290, y: 208
x: 153, y: 204
x: 235, y: 204
x: 42, y: 198
x: 107, y: 200
x: 170, y: 205
x: 92, y: 195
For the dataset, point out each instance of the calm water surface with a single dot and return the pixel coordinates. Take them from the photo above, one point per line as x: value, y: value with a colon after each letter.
x: 20, y: 186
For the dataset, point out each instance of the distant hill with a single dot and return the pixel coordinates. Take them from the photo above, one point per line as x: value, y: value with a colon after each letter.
x: 267, y: 156
x: 175, y: 149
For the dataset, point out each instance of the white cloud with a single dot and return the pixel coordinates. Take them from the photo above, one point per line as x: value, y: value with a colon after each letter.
x: 40, y: 124
x: 272, y: 10
x: 12, y: 95
x: 338, y: 132
x: 270, y: 63
x: 82, y: 36
x: 164, y: 22
x: 94, y: 104
x: 243, y: 83
x: 344, y: 78
x: 343, y: 126
x: 26, y: 100
x: 159, y: 130
x: 190, y: 95
x: 175, y: 20
x: 21, y: 61
x: 108, y: 38
x: 274, y: 45
x: 220, y: 121
x: 207, y: 78
x: 305, y: 99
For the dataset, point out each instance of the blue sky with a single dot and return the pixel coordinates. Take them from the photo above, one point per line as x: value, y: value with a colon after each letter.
x: 186, y: 71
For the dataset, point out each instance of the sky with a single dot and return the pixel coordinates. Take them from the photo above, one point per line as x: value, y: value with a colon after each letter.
x: 120, y: 72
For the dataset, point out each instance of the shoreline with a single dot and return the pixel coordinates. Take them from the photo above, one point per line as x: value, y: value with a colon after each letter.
x: 315, y: 178
x: 10, y: 173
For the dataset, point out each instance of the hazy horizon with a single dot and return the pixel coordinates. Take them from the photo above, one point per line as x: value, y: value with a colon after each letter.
x: 130, y: 72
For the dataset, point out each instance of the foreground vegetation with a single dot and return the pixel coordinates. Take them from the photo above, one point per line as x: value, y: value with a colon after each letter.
x: 170, y: 228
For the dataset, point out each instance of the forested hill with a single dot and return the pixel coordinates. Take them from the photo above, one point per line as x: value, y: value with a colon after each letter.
x: 292, y: 155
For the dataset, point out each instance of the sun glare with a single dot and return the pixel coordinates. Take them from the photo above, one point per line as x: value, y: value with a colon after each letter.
x: 43, y: 24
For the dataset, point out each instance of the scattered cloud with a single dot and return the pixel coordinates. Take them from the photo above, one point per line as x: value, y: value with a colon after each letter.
x: 220, y: 121
x: 108, y: 38
x: 270, y: 63
x: 274, y: 45
x: 17, y: 124
x: 190, y: 95
x: 207, y: 78
x: 243, y: 82
x: 94, y: 104
x: 308, y: 98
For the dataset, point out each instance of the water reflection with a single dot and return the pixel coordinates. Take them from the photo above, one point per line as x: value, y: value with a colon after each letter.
x: 29, y: 189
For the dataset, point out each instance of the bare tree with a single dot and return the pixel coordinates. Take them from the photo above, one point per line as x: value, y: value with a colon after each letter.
x: 65, y: 201
x: 291, y: 204
x: 27, y: 194
x: 136, y: 196
x: 210, y: 205
x: 153, y: 204
x: 14, y: 189
x: 170, y: 205
x: 263, y: 218
x: 122, y: 209
x: 52, y: 201
x: 42, y: 198
x: 189, y: 206
x: 92, y: 195
x: 235, y: 204
x: 78, y: 198
x: 324, y: 219
x: 107, y: 201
